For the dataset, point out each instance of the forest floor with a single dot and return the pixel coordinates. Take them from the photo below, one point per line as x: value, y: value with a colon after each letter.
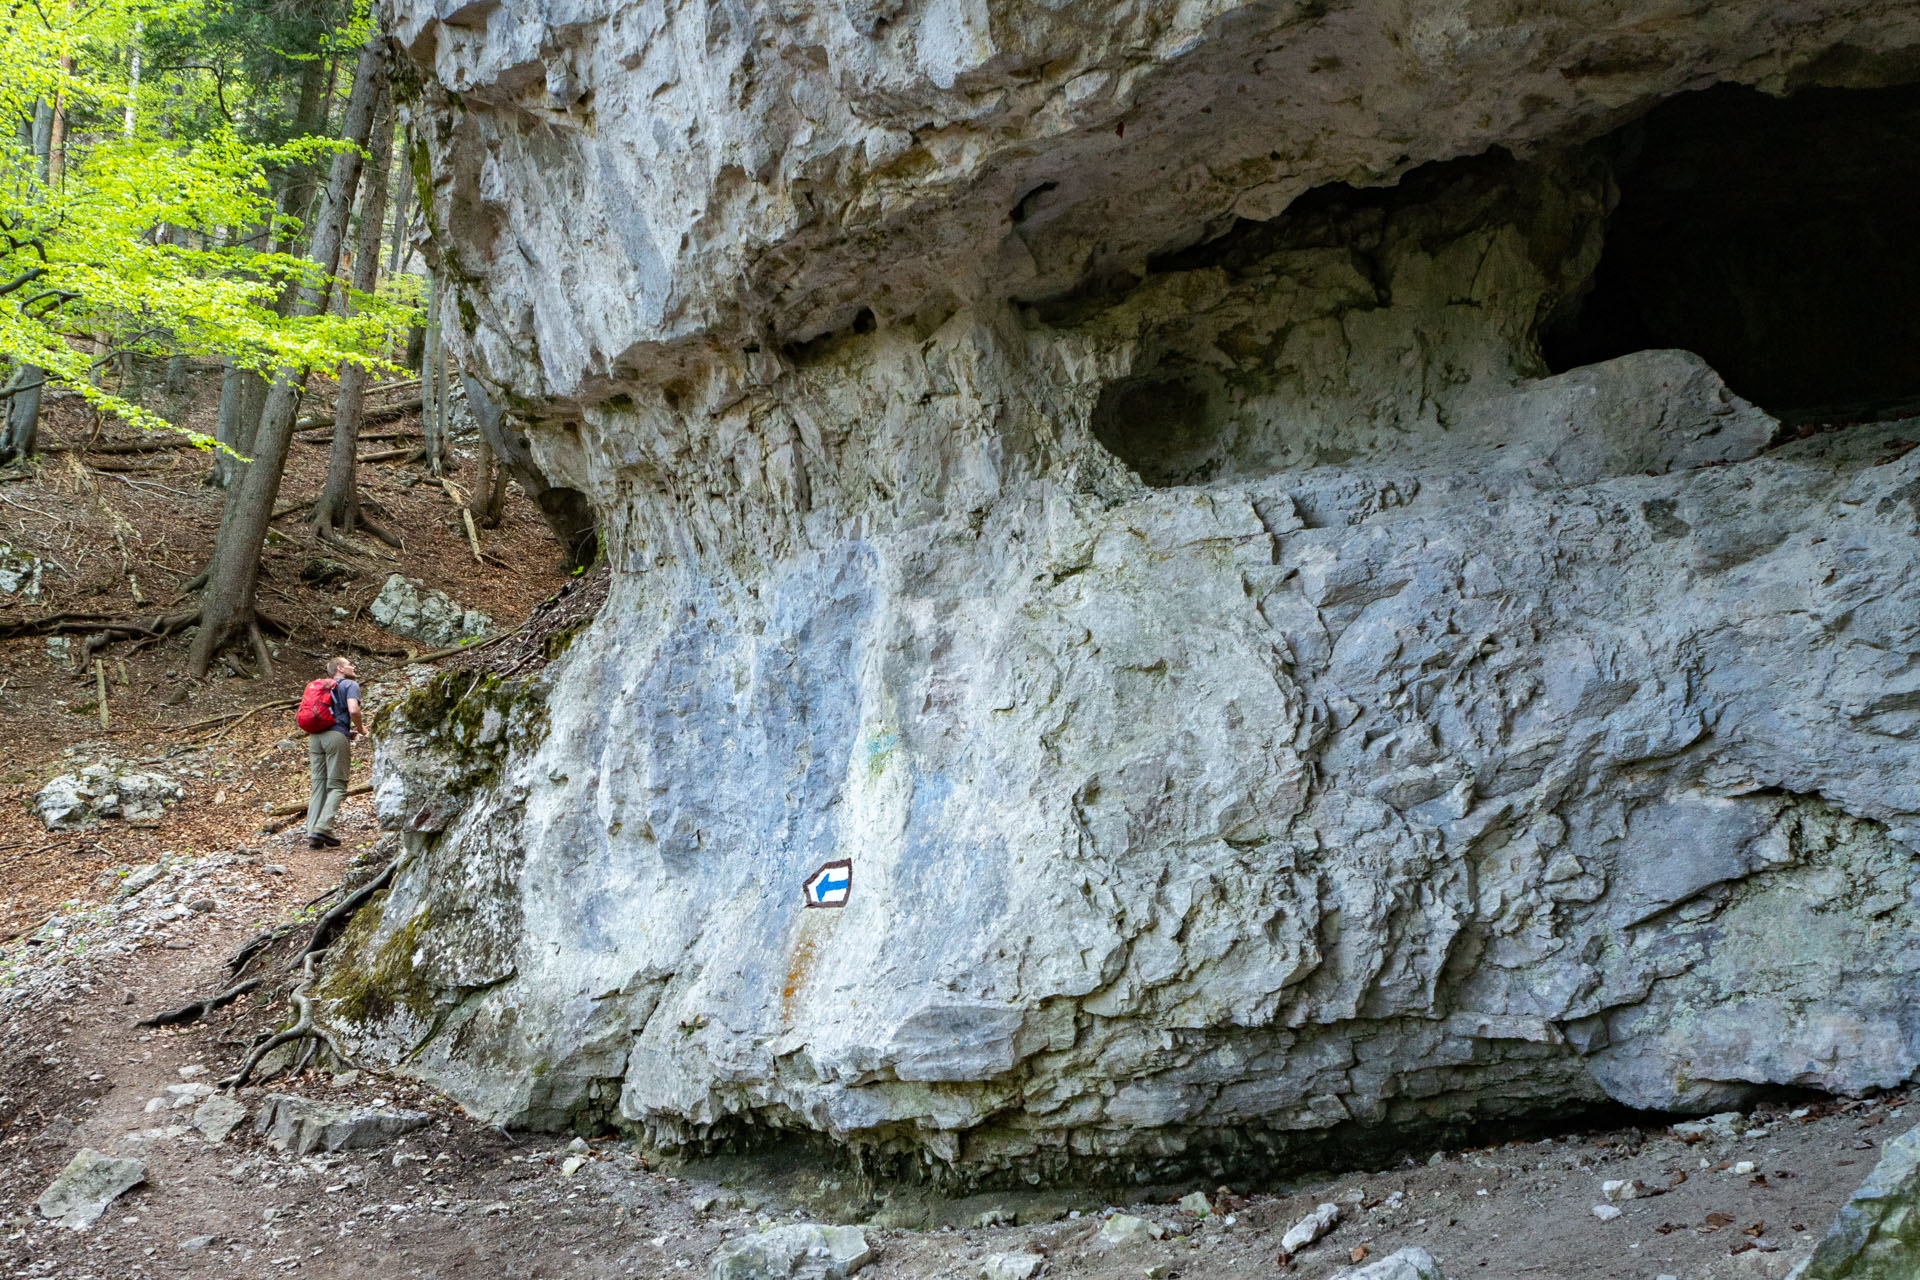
x: 82, y: 960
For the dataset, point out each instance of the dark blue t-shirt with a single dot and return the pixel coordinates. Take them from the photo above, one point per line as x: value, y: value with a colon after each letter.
x: 342, y: 690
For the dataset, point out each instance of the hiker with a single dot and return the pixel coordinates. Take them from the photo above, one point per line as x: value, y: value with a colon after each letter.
x: 330, y: 713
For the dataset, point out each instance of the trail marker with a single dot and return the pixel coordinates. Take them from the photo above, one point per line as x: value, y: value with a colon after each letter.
x: 831, y: 885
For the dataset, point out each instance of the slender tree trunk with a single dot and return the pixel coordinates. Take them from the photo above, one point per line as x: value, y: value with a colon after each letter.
x: 133, y: 81
x: 433, y: 376
x: 233, y: 572
x: 566, y: 511
x: 21, y: 435
x: 402, y: 193
x: 338, y: 509
x: 489, y: 500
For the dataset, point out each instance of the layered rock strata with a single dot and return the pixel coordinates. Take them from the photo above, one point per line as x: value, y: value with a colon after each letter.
x: 1251, y: 701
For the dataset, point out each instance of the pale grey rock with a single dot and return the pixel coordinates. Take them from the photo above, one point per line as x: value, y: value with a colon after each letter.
x: 803, y: 1251
x: 21, y: 572
x: 1010, y: 1266
x: 1403, y: 1264
x: 1255, y: 699
x: 407, y: 607
x: 301, y: 1125
x: 1606, y: 1212
x: 1310, y: 1228
x: 1196, y: 1203
x: 1877, y: 1233
x: 141, y: 877
x: 219, y: 1116
x: 1127, y: 1228
x: 74, y: 800
x: 90, y: 1182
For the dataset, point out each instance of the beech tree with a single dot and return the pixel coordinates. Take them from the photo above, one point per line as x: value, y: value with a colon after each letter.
x: 226, y: 608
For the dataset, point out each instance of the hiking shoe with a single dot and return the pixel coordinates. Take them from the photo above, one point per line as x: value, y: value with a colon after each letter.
x: 324, y: 841
x: 316, y: 842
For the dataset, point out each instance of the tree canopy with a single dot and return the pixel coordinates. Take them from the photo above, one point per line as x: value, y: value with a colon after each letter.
x: 147, y: 224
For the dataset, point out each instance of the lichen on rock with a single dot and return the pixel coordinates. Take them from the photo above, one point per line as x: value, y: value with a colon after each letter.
x: 1255, y: 700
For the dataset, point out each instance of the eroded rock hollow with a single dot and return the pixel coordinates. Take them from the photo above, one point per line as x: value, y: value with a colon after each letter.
x: 1100, y: 471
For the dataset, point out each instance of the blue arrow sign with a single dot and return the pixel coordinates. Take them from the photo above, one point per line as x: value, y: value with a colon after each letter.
x: 831, y: 885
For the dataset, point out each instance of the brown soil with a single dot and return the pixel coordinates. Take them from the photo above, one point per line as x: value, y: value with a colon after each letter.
x: 80, y: 963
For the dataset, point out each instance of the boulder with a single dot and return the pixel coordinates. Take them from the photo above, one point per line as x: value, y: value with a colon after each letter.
x: 803, y: 1251
x: 90, y: 1182
x: 301, y: 1125
x: 101, y: 791
x: 1877, y: 1233
x: 20, y: 573
x: 1403, y: 1264
x: 1310, y: 1228
x: 1010, y: 1266
x: 219, y: 1116
x: 407, y: 607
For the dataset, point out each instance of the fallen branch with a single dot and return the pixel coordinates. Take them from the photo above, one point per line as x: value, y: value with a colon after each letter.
x: 381, y: 414
x: 155, y: 445
x: 199, y: 1009
x: 389, y: 455
x: 300, y: 806
x: 238, y: 716
x: 327, y: 439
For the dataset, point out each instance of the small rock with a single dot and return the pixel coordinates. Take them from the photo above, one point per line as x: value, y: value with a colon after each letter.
x: 197, y: 1244
x: 273, y: 869
x: 191, y: 1070
x: 1606, y: 1212
x: 994, y: 1217
x: 579, y: 1146
x: 1158, y: 1271
x: 1010, y: 1266
x: 218, y: 1116
x: 1310, y: 1228
x: 571, y: 1165
x: 1622, y: 1189
x: 1743, y: 1167
x: 346, y: 1079
x: 202, y: 905
x: 301, y: 1125
x: 1125, y: 1228
x: 1195, y: 1202
x: 155, y: 1104
x: 90, y: 1182
x: 803, y: 1251
x: 141, y: 877
x: 1406, y: 1264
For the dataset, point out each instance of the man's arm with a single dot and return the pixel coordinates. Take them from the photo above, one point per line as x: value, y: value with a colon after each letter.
x: 353, y: 714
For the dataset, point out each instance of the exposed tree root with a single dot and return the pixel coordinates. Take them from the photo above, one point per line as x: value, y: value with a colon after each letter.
x: 303, y: 1027
x: 113, y: 624
x: 328, y: 927
x: 199, y: 1009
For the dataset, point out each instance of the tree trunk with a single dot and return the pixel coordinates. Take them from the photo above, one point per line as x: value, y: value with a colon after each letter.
x: 403, y: 191
x: 338, y: 508
x: 22, y: 431
x: 566, y: 511
x: 133, y: 80
x: 489, y: 499
x: 233, y: 572
x: 433, y: 373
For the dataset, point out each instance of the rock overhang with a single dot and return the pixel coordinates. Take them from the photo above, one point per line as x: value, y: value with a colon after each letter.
x: 1330, y: 788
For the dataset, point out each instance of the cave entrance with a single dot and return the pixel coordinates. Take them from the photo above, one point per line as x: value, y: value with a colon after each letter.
x: 1160, y: 425
x: 1775, y: 238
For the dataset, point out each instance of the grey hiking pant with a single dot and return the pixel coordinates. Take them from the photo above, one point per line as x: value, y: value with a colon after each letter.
x: 329, y: 755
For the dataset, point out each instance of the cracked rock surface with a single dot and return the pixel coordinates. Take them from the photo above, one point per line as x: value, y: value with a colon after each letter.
x: 1253, y: 701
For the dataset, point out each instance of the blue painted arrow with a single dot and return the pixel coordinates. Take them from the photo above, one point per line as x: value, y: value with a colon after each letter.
x: 831, y: 885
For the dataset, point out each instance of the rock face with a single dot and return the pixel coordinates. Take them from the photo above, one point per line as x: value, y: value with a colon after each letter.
x: 409, y: 608
x: 1113, y: 664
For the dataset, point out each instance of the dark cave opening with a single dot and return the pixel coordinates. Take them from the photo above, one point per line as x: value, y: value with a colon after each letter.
x: 1776, y: 238
x: 1159, y: 425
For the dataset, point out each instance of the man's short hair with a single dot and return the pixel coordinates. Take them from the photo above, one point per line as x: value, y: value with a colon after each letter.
x: 333, y: 666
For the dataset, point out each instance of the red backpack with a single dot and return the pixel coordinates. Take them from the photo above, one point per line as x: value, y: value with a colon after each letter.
x: 316, y: 707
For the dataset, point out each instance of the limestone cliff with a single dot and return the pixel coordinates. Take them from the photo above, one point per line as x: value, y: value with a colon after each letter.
x: 1093, y: 469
